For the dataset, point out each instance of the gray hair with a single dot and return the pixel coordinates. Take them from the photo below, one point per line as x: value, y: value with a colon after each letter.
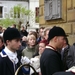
x: 46, y: 29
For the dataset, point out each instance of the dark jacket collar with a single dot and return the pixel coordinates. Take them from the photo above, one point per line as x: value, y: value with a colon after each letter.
x: 8, y: 62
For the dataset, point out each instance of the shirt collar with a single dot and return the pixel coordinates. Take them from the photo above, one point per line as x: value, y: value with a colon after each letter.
x: 12, y: 55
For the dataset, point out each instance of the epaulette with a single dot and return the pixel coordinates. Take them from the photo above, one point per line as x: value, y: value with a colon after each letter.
x: 2, y: 55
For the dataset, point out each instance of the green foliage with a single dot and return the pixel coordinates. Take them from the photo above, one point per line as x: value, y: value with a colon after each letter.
x: 6, y: 22
x: 19, y: 9
x: 37, y: 19
x: 16, y: 10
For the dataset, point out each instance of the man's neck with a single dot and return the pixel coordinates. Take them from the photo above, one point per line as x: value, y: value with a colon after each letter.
x: 52, y: 45
x: 10, y: 49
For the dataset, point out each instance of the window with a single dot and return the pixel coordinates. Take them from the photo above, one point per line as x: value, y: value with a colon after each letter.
x: 52, y: 9
x: 37, y: 14
x: 1, y: 13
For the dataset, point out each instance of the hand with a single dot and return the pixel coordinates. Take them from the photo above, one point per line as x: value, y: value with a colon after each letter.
x: 25, y: 60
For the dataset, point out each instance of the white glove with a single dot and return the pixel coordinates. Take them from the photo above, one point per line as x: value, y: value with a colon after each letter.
x: 35, y: 62
x: 72, y: 69
x: 25, y: 60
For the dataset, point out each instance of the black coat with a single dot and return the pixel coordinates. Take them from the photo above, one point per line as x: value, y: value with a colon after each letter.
x: 64, y: 73
x: 24, y: 33
x: 50, y: 62
x: 6, y: 66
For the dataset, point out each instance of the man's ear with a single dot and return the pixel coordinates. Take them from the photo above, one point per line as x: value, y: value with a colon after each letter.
x: 55, y: 38
x: 7, y: 42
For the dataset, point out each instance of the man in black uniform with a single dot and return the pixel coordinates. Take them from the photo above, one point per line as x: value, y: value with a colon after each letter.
x: 50, y: 61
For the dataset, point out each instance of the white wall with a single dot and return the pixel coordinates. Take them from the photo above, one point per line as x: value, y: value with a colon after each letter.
x: 7, y: 5
x: 32, y: 5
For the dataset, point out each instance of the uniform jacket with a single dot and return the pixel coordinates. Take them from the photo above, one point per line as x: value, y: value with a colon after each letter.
x: 6, y: 65
x: 50, y: 62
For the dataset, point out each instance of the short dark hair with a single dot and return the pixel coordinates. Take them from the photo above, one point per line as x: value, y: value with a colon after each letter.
x: 41, y: 28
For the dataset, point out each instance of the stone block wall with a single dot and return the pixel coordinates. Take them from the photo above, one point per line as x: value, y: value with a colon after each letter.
x: 67, y: 22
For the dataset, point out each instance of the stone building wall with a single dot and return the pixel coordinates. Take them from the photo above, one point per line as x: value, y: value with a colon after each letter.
x: 67, y: 20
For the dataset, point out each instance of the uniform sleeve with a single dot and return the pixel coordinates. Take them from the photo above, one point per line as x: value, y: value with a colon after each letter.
x: 1, y: 67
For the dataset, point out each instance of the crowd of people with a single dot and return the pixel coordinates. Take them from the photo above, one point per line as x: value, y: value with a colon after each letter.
x: 46, y: 49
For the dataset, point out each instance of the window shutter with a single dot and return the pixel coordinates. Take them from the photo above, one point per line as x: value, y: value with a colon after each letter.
x: 52, y: 9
